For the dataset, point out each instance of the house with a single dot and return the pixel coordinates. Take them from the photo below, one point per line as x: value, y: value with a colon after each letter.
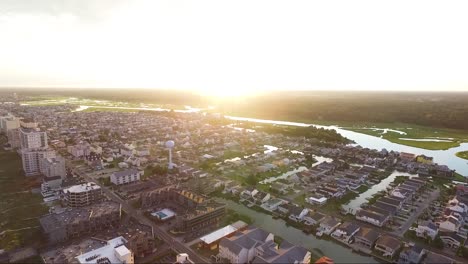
x: 396, y: 202
x: 328, y: 225
x: 272, y: 204
x: 383, y: 207
x: 241, y: 248
x: 451, y: 239
x: 372, y: 217
x: 456, y: 206
x: 411, y: 255
x: 346, y: 231
x: 316, y: 199
x: 313, y: 218
x: 407, y: 157
x: 387, y: 245
x: 331, y: 191
x: 297, y: 213
x: 427, y: 229
x: 261, y: 197
x: 450, y: 224
x: 402, y: 193
x: 254, y: 245
x: 285, y: 252
x: 249, y: 192
x: 366, y: 237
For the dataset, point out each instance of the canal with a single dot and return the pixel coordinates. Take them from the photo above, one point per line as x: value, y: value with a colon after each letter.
x: 362, y: 198
x: 338, y: 253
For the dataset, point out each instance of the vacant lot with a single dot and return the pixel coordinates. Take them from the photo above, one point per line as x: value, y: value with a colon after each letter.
x: 19, y: 208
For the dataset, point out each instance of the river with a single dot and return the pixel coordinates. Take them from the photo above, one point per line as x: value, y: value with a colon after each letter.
x: 445, y: 157
x: 338, y: 253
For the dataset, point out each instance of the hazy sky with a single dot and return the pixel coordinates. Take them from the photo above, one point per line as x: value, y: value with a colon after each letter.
x: 235, y: 45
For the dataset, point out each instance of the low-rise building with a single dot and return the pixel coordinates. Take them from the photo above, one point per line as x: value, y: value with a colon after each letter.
x: 411, y: 255
x: 387, y: 245
x: 366, y: 237
x: 346, y: 231
x: 451, y: 239
x: 82, y: 195
x: 125, y: 176
x: 427, y: 229
x: 114, y: 251
x: 254, y: 245
x: 372, y: 217
x: 328, y: 225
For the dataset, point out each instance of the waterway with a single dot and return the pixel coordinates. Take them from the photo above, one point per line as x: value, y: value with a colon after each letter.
x: 338, y: 253
x: 362, y: 198
x: 284, y: 175
x: 445, y: 157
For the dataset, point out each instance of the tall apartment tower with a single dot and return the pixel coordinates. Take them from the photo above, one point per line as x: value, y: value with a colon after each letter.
x: 14, y: 134
x: 34, y: 149
x: 8, y: 122
x: 33, y: 139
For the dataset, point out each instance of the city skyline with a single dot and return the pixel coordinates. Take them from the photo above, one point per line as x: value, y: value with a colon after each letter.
x: 231, y: 49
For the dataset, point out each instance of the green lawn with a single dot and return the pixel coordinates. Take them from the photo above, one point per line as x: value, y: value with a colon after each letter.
x: 19, y: 208
x: 462, y: 154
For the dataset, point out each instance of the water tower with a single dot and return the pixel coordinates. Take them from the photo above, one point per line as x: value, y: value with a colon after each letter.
x: 170, y: 145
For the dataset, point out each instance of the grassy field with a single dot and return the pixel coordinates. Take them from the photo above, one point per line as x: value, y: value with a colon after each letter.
x: 452, y: 136
x: 462, y: 154
x: 19, y: 208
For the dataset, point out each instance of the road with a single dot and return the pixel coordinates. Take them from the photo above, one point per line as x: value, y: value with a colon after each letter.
x: 172, y: 243
x: 415, y: 215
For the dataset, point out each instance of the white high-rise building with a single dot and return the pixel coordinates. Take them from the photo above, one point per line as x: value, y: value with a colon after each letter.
x: 14, y: 138
x: 33, y: 139
x: 34, y: 149
x: 32, y: 159
x: 55, y: 166
x: 8, y: 123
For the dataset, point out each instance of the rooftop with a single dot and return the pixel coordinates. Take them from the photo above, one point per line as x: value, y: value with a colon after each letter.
x: 84, y: 187
x: 114, y: 251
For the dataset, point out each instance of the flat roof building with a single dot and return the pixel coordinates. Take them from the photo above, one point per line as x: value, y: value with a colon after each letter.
x: 114, y: 252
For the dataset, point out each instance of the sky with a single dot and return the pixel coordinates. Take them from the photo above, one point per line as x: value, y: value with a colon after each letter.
x: 235, y: 47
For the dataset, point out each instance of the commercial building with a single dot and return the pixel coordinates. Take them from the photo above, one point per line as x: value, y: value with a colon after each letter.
x: 115, y: 252
x: 75, y: 222
x: 125, y: 176
x: 82, y: 195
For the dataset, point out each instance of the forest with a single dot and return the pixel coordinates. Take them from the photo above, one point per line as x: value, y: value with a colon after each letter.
x: 432, y: 109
